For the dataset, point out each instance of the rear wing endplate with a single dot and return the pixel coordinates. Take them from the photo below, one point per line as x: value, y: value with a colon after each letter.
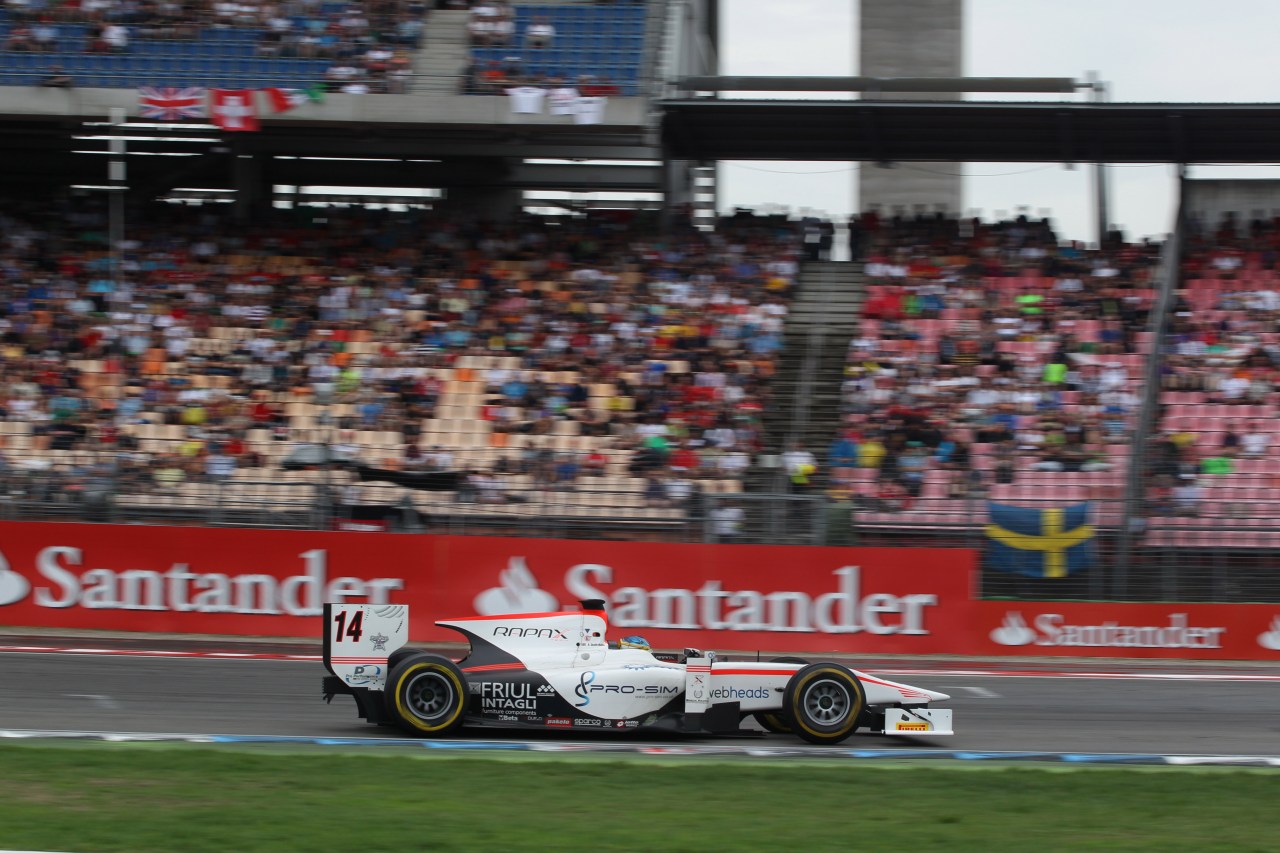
x: 358, y: 639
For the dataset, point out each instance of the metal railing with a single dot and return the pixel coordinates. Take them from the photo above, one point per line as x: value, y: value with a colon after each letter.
x: 1218, y: 541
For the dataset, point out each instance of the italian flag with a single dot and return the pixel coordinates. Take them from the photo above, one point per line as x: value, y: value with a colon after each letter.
x: 283, y: 100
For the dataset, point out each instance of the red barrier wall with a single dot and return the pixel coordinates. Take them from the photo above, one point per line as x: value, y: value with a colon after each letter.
x: 1101, y: 629
x: 272, y: 583
x: 728, y: 597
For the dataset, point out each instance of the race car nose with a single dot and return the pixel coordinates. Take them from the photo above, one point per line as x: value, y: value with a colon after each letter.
x: 935, y: 696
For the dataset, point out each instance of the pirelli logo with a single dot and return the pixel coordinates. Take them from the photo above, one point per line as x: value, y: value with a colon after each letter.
x: 912, y: 727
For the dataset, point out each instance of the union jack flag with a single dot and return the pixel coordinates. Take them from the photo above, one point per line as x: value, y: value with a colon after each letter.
x: 169, y: 103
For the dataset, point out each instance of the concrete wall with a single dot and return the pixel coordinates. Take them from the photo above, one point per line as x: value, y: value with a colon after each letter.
x: 911, y: 38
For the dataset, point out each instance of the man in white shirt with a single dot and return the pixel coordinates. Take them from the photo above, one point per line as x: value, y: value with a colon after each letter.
x: 116, y: 37
x: 726, y: 521
x: 1255, y: 442
x: 540, y: 33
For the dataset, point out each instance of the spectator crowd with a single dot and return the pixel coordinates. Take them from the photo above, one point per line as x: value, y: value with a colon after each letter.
x: 552, y: 351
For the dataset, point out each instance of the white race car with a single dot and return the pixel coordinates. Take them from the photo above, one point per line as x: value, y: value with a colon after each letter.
x: 556, y: 670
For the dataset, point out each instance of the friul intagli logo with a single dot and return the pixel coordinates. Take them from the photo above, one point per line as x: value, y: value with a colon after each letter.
x: 13, y: 586
x: 1053, y: 629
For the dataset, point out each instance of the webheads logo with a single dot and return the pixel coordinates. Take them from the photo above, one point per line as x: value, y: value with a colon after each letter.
x: 13, y: 586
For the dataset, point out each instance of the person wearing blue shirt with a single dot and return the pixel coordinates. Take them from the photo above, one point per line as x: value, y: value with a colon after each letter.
x: 844, y: 452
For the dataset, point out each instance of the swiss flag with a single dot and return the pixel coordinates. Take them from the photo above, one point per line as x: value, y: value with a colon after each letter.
x: 233, y: 109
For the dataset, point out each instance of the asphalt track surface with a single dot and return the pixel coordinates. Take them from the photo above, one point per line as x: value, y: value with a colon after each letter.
x: 1172, y: 709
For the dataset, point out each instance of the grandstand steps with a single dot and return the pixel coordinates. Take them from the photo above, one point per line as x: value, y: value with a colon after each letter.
x: 806, y: 389
x: 446, y: 50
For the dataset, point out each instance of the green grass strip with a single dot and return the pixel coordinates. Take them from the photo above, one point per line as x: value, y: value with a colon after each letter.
x: 99, y: 800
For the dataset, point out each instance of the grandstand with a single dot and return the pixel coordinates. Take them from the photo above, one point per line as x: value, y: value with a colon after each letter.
x: 428, y: 309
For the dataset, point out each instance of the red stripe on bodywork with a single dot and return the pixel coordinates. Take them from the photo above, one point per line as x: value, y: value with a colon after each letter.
x: 508, y: 616
x: 492, y: 666
x: 779, y: 672
x: 905, y: 691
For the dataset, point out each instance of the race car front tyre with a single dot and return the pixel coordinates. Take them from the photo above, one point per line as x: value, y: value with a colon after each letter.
x: 823, y: 702
x: 426, y: 694
x: 776, y: 722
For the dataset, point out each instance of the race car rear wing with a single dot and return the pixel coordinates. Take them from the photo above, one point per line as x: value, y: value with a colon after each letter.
x: 358, y: 639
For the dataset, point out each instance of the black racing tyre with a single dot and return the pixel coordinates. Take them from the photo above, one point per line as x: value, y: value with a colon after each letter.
x: 773, y: 722
x: 399, y: 655
x: 776, y: 722
x: 823, y: 702
x: 426, y: 694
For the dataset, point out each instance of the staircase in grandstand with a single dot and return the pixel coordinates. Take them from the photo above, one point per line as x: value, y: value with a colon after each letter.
x: 805, y: 406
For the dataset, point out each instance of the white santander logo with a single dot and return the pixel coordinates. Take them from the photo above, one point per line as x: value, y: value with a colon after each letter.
x: 1271, y: 639
x: 1013, y: 632
x: 519, y: 593
x: 843, y: 610
x: 13, y: 586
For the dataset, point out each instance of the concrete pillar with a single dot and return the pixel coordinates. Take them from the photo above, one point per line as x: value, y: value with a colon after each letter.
x: 496, y: 204
x: 253, y: 191
x: 911, y: 38
x: 480, y: 188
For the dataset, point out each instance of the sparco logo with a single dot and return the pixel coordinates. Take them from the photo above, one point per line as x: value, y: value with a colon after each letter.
x: 1052, y: 629
x: 181, y: 590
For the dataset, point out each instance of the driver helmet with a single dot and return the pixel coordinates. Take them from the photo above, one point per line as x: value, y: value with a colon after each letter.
x: 634, y: 642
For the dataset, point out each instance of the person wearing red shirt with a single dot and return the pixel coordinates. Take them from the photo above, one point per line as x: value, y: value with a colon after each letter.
x: 683, y: 458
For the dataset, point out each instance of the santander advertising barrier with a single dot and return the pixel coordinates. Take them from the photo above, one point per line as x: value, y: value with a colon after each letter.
x: 272, y: 583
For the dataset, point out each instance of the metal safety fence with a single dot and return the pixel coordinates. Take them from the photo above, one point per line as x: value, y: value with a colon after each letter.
x: 1210, y: 540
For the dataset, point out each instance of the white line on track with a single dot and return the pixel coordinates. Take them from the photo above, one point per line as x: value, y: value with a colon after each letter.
x: 913, y: 671
x: 978, y: 692
x: 105, y: 702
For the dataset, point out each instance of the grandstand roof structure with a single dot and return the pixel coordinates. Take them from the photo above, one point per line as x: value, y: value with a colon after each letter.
x: 886, y: 131
x: 431, y: 138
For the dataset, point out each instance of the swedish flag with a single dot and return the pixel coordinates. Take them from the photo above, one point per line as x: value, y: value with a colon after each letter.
x: 1040, y: 543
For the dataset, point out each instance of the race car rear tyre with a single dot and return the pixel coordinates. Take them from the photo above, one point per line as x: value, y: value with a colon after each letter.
x: 823, y: 702
x: 426, y: 694
x: 776, y: 722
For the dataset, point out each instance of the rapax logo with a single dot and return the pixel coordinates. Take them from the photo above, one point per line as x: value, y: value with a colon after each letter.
x: 13, y: 586
x: 58, y: 581
x: 844, y: 610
